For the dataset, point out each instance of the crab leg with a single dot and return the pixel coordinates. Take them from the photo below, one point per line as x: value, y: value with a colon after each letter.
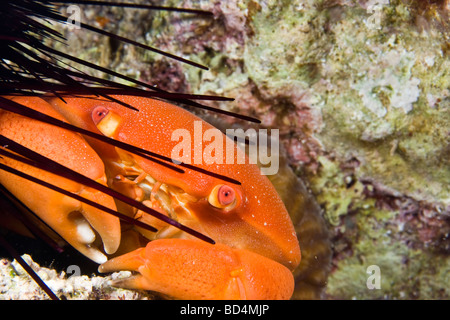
x: 192, y: 269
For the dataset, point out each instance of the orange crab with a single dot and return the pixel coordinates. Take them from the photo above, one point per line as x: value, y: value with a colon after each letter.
x: 255, y: 250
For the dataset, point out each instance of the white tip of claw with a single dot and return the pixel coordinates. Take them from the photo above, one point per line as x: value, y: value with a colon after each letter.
x: 110, y: 247
x: 85, y: 233
x: 87, y: 236
x: 96, y: 256
x: 92, y: 253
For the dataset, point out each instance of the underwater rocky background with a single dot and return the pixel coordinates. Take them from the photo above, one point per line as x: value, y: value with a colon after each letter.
x: 359, y: 91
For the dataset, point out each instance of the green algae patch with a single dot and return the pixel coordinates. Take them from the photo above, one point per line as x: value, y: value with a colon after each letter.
x: 373, y: 85
x: 405, y: 273
x: 337, y: 192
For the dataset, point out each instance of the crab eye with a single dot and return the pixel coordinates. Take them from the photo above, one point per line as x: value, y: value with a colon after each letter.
x: 105, y: 120
x: 98, y: 114
x: 225, y: 195
x: 222, y: 196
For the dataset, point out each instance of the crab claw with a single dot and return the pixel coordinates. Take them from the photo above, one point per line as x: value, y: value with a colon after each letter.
x: 86, y: 220
x: 79, y: 224
x: 193, y: 269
